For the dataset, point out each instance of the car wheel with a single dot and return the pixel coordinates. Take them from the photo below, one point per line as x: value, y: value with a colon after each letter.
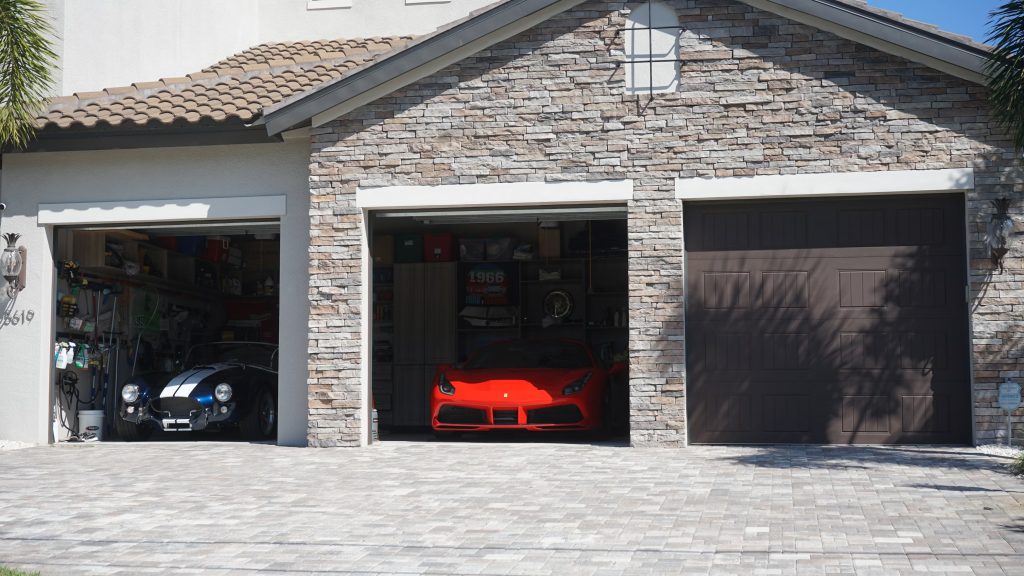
x: 261, y: 421
x: 130, y: 431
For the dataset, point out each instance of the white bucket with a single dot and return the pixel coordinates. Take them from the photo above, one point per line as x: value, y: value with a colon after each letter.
x: 91, y: 421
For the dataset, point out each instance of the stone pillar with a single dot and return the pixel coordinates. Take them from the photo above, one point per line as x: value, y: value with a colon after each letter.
x: 335, y: 292
x: 657, y: 395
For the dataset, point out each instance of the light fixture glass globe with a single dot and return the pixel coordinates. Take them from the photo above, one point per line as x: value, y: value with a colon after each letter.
x: 10, y: 263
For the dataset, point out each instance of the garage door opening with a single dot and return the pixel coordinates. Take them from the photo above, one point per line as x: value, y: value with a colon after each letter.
x: 167, y: 331
x: 500, y: 320
x: 827, y: 321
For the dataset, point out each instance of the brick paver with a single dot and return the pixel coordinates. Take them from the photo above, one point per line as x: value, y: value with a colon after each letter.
x: 501, y: 507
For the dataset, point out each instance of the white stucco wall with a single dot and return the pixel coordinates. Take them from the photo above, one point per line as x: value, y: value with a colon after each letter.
x: 116, y: 42
x: 28, y: 180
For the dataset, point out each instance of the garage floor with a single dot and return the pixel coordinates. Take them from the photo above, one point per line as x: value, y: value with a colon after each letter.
x: 497, y: 507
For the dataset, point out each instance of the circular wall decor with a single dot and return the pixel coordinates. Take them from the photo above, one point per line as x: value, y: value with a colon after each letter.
x: 558, y: 304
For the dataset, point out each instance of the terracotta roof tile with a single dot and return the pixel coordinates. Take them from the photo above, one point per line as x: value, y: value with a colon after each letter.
x: 236, y: 89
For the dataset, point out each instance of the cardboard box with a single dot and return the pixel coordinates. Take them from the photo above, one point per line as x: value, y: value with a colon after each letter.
x: 383, y: 249
x: 549, y: 242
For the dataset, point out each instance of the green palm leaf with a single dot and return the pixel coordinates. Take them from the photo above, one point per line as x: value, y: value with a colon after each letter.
x: 26, y: 65
x: 1005, y: 68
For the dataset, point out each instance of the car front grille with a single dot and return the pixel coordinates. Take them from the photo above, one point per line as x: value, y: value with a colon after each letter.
x: 449, y: 414
x: 177, y: 407
x: 506, y: 417
x: 567, y: 414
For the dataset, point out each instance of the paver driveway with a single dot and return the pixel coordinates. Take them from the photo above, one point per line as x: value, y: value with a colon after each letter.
x: 507, y: 508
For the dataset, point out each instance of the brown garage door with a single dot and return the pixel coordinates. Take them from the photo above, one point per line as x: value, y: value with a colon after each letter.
x: 837, y: 321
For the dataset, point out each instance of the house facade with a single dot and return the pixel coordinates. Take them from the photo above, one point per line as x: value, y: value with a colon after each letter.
x: 117, y: 42
x: 805, y: 204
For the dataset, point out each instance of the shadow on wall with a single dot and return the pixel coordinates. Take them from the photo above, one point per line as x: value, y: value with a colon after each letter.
x: 833, y: 321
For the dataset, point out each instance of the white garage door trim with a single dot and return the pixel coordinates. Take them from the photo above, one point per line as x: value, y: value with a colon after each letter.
x: 184, y: 209
x: 832, y: 184
x: 484, y: 195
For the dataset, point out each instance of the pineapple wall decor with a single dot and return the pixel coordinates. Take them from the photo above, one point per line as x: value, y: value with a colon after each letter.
x: 12, y: 264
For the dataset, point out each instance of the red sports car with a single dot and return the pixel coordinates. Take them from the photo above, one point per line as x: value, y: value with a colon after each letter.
x: 521, y: 384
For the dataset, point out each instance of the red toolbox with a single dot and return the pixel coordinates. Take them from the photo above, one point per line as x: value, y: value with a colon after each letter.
x: 439, y: 247
x: 216, y: 249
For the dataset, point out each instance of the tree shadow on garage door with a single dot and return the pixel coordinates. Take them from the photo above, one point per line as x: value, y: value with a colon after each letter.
x: 828, y: 321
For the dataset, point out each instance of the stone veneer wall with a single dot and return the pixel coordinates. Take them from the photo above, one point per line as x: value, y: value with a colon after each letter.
x: 759, y: 95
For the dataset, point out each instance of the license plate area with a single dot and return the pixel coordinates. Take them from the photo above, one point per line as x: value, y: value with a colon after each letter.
x: 176, y: 425
x: 506, y: 416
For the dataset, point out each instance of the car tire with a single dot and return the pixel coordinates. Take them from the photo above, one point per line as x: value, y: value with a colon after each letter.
x: 260, y: 423
x: 130, y: 431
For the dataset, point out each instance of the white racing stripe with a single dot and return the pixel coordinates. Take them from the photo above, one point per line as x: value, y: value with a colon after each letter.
x: 169, y: 391
x: 184, y: 390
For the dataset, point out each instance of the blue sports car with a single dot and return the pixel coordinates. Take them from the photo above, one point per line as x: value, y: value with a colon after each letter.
x: 225, y: 385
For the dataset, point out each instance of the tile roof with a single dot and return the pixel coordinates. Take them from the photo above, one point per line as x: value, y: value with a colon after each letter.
x: 268, y: 77
x: 236, y: 89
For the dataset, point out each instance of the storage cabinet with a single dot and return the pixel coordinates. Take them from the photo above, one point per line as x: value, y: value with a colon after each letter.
x: 424, y: 336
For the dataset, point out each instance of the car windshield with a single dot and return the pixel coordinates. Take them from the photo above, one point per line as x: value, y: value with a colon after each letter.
x: 242, y: 352
x: 521, y: 354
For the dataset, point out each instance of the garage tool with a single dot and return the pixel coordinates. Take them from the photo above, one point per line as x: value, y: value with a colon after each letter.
x: 138, y: 340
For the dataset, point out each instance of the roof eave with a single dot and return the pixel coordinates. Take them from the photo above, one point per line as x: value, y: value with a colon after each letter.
x: 885, y: 34
x: 415, y: 62
x: 64, y: 140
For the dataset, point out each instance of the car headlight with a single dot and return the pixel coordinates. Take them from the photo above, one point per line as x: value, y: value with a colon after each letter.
x: 223, y: 392
x: 576, y: 385
x: 130, y: 393
x: 445, y: 386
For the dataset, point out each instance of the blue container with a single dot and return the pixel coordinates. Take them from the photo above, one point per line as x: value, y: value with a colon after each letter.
x: 191, y: 245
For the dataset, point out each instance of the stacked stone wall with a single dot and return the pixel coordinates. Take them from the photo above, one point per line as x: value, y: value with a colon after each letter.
x: 758, y: 95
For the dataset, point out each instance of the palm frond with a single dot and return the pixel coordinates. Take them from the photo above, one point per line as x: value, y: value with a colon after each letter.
x: 26, y: 65
x: 1005, y: 68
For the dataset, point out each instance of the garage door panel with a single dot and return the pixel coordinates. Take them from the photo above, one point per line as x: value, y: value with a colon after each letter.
x: 925, y: 414
x: 827, y: 321
x: 787, y: 412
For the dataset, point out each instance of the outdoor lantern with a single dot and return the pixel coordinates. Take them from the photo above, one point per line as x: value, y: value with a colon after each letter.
x: 999, y: 230
x: 12, y: 263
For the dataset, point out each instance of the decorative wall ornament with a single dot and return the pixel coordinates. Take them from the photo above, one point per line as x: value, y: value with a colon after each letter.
x: 12, y: 264
x: 999, y: 229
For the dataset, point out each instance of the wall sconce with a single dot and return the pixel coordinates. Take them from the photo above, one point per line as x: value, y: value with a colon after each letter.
x: 12, y: 264
x: 999, y: 229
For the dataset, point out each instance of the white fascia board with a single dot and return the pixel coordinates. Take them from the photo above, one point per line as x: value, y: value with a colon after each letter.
x: 482, y: 195
x: 832, y: 184
x: 178, y: 210
x: 892, y: 41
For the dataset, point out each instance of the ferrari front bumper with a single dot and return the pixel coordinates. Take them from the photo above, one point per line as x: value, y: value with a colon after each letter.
x: 468, y: 417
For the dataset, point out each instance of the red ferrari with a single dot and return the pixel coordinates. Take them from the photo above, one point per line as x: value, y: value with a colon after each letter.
x: 521, y: 385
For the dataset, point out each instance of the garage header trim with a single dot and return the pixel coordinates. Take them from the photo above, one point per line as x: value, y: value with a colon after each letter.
x: 183, y: 209
x: 480, y: 195
x: 833, y: 184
